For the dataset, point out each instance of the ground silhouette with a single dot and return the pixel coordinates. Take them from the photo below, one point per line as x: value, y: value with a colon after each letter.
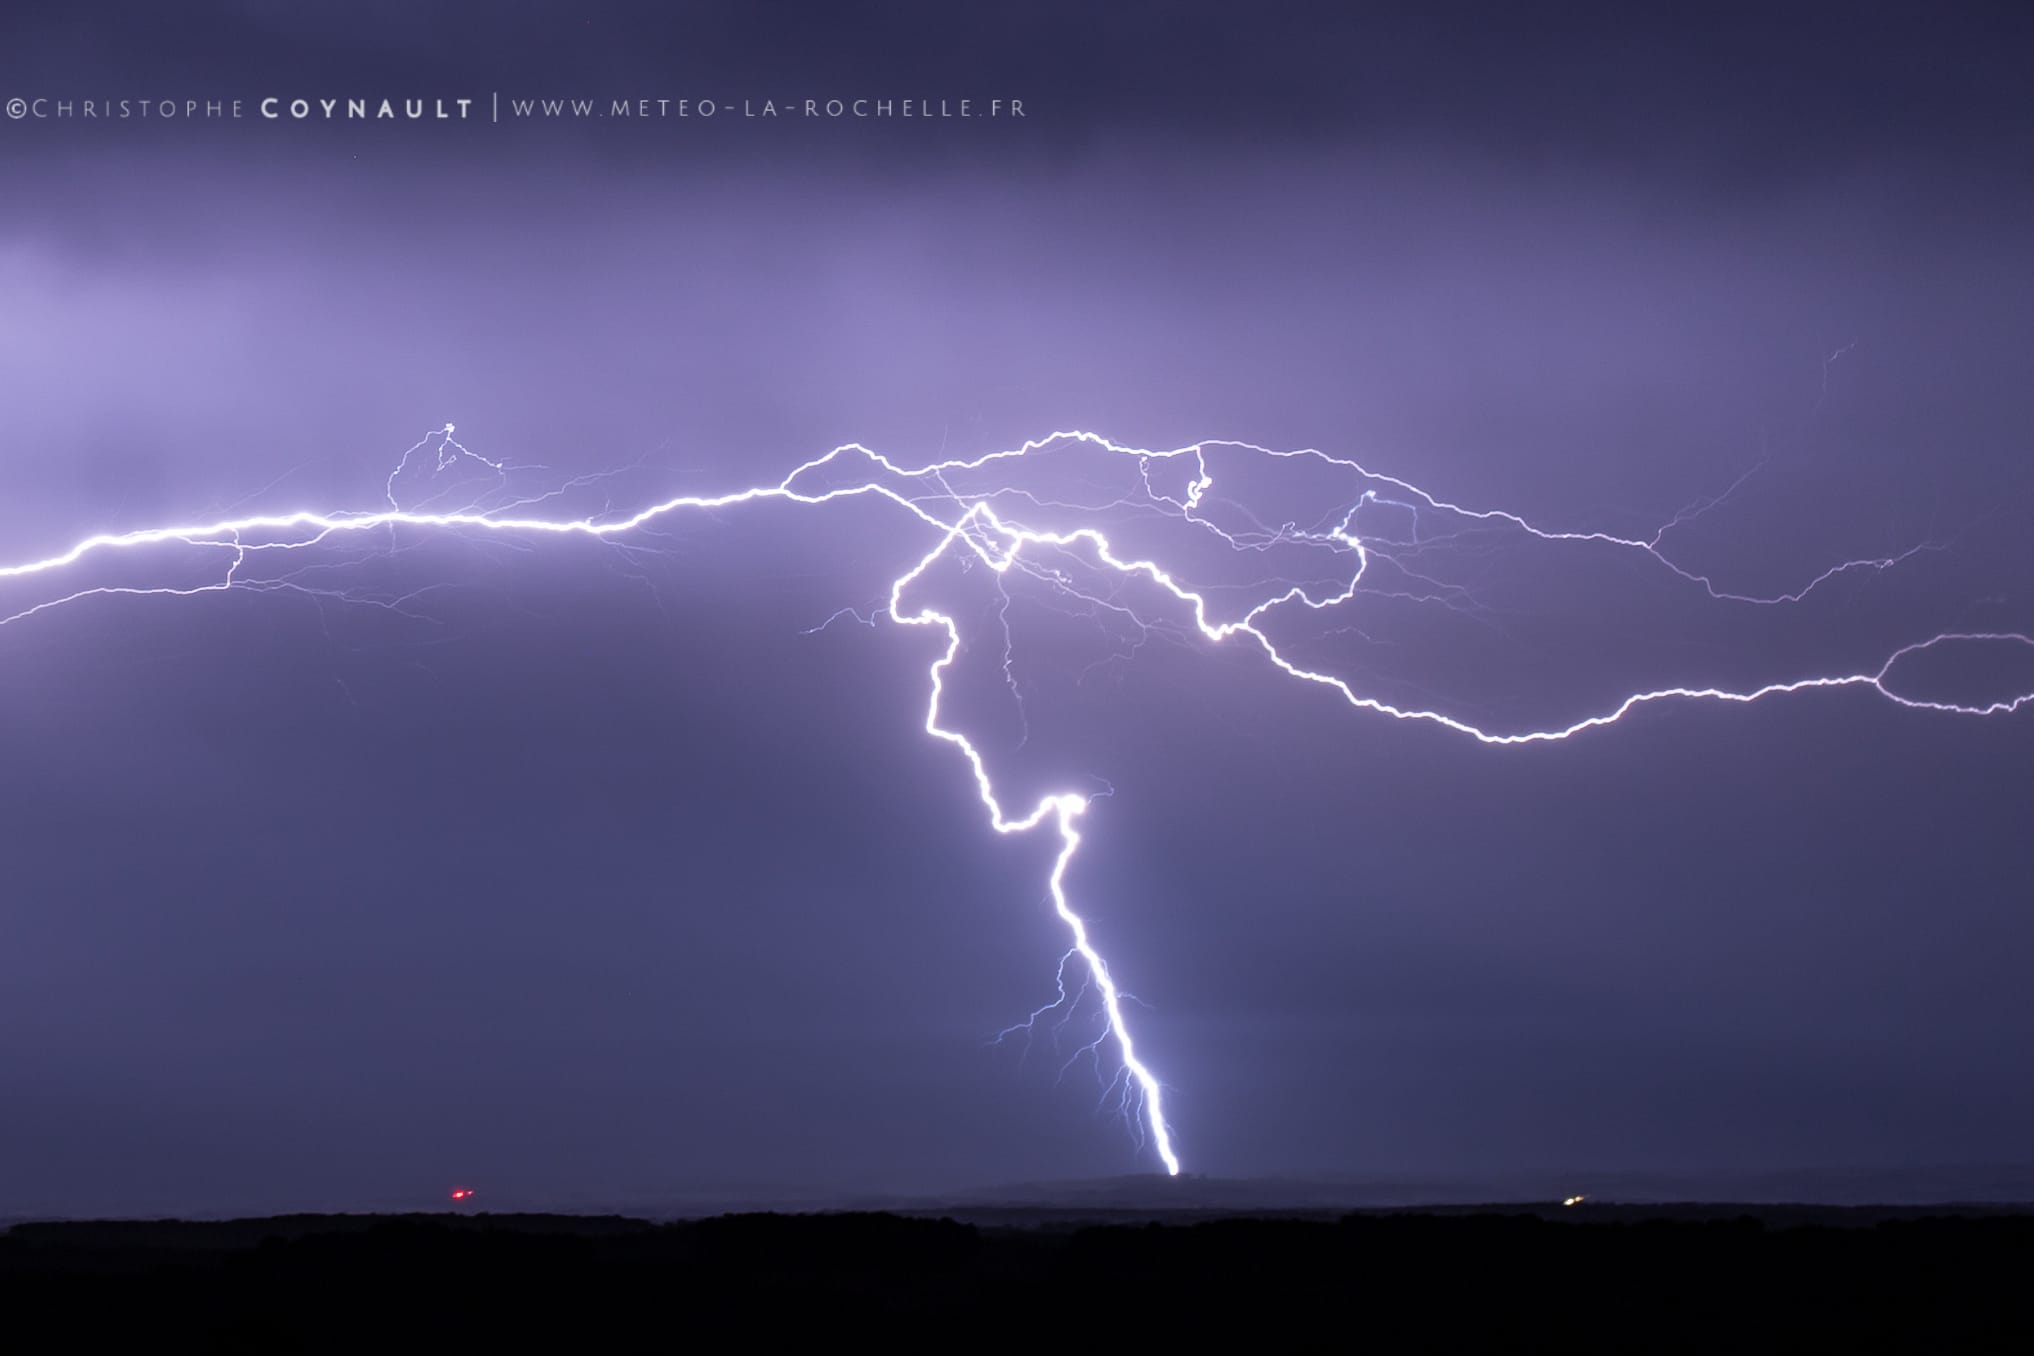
x: 1596, y: 1279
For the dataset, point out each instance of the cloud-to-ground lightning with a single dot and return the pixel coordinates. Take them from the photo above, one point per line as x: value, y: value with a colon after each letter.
x: 984, y: 511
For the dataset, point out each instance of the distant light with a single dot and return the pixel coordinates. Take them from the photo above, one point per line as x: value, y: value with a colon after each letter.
x: 1569, y: 1200
x: 462, y: 1193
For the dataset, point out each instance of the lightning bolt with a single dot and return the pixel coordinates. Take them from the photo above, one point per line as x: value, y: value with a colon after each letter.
x: 988, y: 523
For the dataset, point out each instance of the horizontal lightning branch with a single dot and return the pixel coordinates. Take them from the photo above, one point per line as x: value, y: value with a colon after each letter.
x: 982, y: 523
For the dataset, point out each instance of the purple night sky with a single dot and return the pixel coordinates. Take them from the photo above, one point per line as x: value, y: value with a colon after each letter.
x: 604, y: 873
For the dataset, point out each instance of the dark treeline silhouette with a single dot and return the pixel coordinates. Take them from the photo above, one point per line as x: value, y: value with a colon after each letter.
x: 1598, y: 1280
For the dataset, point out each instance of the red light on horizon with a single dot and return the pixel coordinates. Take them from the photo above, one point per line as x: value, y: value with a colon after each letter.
x: 461, y: 1193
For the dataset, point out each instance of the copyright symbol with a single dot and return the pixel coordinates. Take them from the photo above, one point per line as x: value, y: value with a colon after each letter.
x: 17, y: 108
